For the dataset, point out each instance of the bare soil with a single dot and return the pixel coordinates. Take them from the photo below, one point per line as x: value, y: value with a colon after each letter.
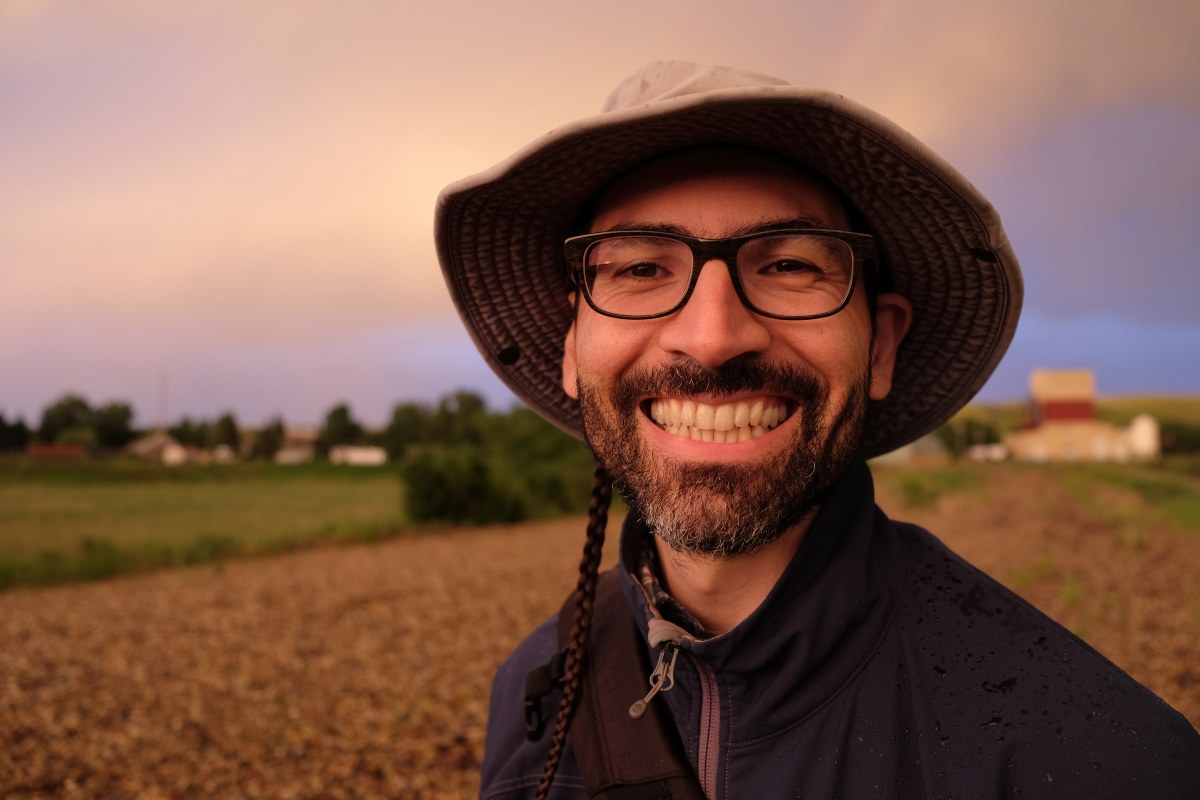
x: 364, y: 671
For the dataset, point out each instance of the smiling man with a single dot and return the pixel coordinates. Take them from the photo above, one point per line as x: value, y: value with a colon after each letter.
x: 736, y: 290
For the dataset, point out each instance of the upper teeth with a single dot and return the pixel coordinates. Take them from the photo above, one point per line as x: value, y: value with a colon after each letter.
x: 729, y: 422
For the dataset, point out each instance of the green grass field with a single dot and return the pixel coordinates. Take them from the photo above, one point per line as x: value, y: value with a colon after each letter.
x: 92, y: 519
x: 64, y: 522
x: 1120, y: 410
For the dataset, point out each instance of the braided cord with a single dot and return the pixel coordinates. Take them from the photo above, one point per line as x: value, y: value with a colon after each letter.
x: 581, y: 624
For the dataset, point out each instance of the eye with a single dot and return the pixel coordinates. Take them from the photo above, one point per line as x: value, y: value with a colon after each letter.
x: 642, y: 270
x: 792, y: 267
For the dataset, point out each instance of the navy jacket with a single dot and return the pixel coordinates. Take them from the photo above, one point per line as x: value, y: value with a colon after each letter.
x: 881, y: 666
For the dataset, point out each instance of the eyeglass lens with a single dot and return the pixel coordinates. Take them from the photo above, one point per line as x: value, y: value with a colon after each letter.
x: 789, y: 275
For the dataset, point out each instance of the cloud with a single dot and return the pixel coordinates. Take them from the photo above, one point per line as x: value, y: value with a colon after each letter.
x: 1102, y: 213
x: 980, y: 77
x: 191, y: 181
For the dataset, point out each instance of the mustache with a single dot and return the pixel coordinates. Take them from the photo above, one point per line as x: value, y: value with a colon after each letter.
x: 749, y: 373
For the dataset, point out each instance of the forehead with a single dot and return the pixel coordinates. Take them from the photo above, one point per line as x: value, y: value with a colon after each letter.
x: 715, y: 192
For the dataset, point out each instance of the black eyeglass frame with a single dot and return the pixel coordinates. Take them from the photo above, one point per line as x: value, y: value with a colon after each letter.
x: 862, y: 248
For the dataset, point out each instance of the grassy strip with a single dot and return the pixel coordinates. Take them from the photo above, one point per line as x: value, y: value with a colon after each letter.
x: 96, y: 559
x: 59, y: 518
x: 924, y: 487
x: 1168, y: 494
x: 1120, y: 410
x: 16, y: 470
x: 93, y: 520
x: 1043, y: 569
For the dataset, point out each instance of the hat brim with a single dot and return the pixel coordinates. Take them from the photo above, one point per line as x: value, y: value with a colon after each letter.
x: 499, y: 238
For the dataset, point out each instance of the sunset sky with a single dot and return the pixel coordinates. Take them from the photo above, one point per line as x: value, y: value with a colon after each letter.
x: 217, y: 204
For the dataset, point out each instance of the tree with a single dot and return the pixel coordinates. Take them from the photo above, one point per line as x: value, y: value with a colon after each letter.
x: 69, y: 412
x: 225, y: 431
x: 340, y: 428
x: 192, y: 434
x: 408, y: 426
x: 113, y: 426
x: 14, y: 436
x: 269, y: 440
x: 459, y: 419
x: 84, y: 437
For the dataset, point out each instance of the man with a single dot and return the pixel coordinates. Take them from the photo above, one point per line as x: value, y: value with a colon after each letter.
x: 737, y: 290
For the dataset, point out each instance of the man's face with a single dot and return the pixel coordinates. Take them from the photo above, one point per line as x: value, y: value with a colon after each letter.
x: 798, y: 388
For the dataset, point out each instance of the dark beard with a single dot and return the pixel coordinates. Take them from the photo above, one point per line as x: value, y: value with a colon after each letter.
x: 724, y: 510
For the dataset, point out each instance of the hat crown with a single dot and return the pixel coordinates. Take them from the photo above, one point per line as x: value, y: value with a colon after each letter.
x: 664, y: 80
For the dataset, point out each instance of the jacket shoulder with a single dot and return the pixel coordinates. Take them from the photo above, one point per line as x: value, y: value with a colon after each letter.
x: 1001, y: 676
x: 512, y: 763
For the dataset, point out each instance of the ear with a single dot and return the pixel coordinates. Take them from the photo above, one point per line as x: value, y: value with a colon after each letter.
x: 570, y: 372
x: 893, y: 315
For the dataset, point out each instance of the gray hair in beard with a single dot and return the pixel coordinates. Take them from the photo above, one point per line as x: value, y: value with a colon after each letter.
x: 724, y: 510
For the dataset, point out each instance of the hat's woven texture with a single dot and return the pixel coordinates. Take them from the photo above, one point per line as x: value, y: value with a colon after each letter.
x: 500, y: 235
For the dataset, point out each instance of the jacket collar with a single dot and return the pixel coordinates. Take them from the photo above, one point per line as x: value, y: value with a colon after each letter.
x: 818, y: 625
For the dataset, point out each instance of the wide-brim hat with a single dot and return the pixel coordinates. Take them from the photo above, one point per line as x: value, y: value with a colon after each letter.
x: 500, y: 233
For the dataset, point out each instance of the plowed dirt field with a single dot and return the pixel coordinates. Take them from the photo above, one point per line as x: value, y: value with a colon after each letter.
x: 364, y: 671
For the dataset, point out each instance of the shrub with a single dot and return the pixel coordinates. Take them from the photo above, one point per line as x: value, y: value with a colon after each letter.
x: 960, y: 433
x: 479, y: 467
x: 1180, y: 437
x: 456, y: 484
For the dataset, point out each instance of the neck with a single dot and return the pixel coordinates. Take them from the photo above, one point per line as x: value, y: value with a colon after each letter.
x: 721, y: 592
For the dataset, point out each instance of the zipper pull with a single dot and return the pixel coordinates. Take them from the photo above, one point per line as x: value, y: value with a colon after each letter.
x: 661, y: 680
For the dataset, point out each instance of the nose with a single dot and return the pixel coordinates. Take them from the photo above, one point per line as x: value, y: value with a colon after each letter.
x: 714, y: 326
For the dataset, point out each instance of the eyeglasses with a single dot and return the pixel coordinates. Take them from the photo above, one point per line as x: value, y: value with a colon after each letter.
x: 782, y: 274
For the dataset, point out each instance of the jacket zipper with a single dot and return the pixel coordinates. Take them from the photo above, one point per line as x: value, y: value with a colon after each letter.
x: 708, y: 750
x: 662, y: 679
x: 667, y: 637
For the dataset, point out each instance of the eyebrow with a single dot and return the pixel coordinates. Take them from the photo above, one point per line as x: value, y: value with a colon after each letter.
x: 788, y: 223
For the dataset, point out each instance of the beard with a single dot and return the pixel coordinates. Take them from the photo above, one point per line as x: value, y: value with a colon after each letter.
x: 719, y: 509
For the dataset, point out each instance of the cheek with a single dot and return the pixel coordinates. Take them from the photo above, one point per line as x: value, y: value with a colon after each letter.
x: 840, y: 354
x: 605, y: 348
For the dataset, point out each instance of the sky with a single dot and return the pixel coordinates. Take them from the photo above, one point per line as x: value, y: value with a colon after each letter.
x: 212, y: 205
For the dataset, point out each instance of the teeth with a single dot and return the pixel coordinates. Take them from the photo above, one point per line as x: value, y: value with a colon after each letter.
x: 687, y: 413
x: 729, y: 422
x: 741, y: 416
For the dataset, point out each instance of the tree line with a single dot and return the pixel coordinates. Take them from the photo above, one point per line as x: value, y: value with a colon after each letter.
x: 72, y: 420
x: 459, y: 461
x: 105, y: 429
x: 108, y: 428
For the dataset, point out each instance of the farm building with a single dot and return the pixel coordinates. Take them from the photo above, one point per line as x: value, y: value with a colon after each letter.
x: 357, y: 455
x: 299, y: 445
x: 56, y: 452
x: 1062, y: 424
x: 158, y: 445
